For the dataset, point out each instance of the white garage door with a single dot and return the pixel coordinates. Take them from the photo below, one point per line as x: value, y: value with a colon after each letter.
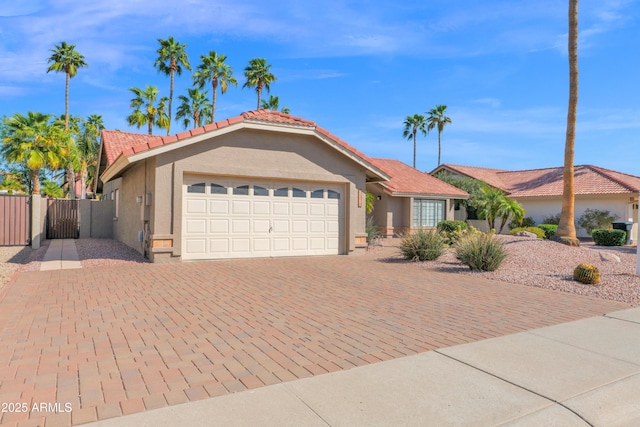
x: 239, y: 219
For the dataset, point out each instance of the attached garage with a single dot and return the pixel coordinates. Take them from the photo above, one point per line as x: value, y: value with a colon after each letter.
x: 236, y: 218
x: 264, y: 184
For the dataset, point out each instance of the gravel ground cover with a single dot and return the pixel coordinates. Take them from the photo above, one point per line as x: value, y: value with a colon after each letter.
x: 22, y: 258
x: 547, y: 264
x: 102, y: 252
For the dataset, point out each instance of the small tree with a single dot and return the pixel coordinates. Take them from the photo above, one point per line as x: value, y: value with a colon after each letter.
x: 596, y: 218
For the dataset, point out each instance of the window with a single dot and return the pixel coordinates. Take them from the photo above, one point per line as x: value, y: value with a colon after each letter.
x: 472, y: 213
x: 299, y: 193
x: 218, y: 189
x: 242, y: 190
x: 260, y: 191
x: 281, y: 192
x: 196, y: 188
x: 333, y: 194
x: 317, y: 194
x: 427, y: 213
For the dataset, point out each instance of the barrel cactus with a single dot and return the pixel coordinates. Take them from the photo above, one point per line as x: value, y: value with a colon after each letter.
x: 587, y: 274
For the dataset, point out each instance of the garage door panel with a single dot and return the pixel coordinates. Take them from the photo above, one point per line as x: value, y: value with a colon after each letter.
x: 317, y: 226
x: 280, y: 226
x: 299, y: 208
x: 220, y: 207
x: 261, y: 226
x: 281, y: 244
x: 261, y: 219
x: 219, y: 226
x: 299, y: 226
x: 219, y: 246
x: 299, y: 243
x: 196, y: 246
x: 197, y: 225
x: 261, y: 208
x: 317, y: 243
x: 240, y: 207
x: 196, y: 206
x: 281, y: 208
x: 240, y: 226
x: 262, y: 245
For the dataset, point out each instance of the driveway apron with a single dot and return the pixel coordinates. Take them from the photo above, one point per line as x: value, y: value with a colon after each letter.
x: 80, y: 345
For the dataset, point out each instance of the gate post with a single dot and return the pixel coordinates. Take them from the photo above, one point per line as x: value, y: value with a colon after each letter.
x: 36, y: 223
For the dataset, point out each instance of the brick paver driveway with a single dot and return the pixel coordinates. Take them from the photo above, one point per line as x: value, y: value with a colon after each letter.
x: 105, y: 342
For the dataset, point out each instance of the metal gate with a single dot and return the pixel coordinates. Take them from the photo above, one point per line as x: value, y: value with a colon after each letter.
x: 62, y: 219
x: 15, y: 220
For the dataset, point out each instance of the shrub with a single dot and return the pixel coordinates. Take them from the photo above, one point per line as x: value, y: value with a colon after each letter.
x: 451, y: 231
x: 372, y: 230
x: 482, y: 252
x: 587, y: 274
x: 549, y: 230
x: 422, y: 246
x: 595, y: 218
x: 526, y: 222
x: 553, y: 219
x: 609, y: 237
x: 535, y: 230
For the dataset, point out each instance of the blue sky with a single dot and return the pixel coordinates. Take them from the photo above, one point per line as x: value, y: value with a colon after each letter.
x: 358, y: 68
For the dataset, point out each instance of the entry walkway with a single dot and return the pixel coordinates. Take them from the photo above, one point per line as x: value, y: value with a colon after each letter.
x: 61, y: 255
x: 582, y: 373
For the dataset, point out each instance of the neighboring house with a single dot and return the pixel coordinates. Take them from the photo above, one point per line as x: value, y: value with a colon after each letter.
x: 411, y: 199
x: 263, y: 184
x: 539, y: 191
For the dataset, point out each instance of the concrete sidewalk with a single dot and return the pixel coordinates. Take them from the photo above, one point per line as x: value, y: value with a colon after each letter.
x: 61, y: 255
x: 581, y: 373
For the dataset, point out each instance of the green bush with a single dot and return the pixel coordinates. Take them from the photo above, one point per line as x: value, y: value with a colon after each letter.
x: 609, y: 237
x: 592, y: 219
x: 526, y: 222
x: 535, y: 230
x: 553, y: 219
x: 451, y: 231
x: 422, y: 246
x: 482, y: 252
x: 372, y: 230
x: 549, y: 230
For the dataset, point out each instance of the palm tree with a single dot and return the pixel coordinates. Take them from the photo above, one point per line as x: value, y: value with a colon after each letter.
x: 273, y: 103
x: 509, y: 208
x: 413, y: 124
x: 34, y: 141
x: 195, y: 107
x: 87, y: 143
x: 172, y: 56
x: 146, y: 112
x: 213, y: 68
x: 66, y: 60
x: 438, y: 119
x: 566, y: 228
x: 489, y: 203
x: 258, y: 75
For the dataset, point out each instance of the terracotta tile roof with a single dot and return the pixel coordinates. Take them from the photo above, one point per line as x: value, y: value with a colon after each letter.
x: 549, y: 182
x: 115, y: 142
x: 490, y: 176
x: 405, y: 179
x: 118, y: 143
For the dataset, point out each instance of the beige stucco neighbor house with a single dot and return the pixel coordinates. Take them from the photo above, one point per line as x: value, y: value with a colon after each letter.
x: 539, y: 191
x: 411, y: 199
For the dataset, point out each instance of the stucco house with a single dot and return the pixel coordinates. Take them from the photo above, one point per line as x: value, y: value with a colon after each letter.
x: 411, y: 199
x: 539, y: 191
x: 262, y: 184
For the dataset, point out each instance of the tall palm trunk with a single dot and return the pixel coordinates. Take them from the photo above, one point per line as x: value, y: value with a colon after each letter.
x: 439, y: 147
x: 415, y: 146
x: 566, y: 228
x: 66, y: 102
x: 170, y: 101
x: 259, y: 90
x: 214, y: 83
x: 35, y: 178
